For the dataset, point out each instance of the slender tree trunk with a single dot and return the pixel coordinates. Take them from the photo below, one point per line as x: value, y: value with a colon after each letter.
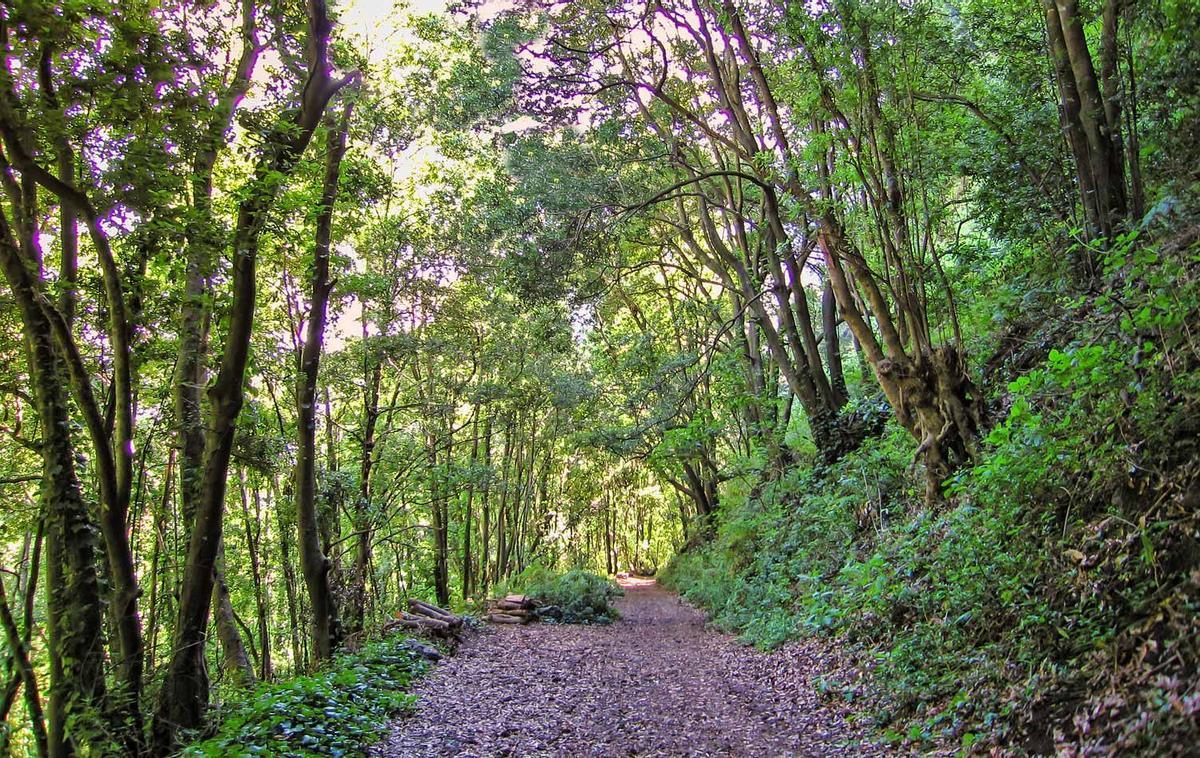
x: 1110, y: 88
x: 441, y: 517
x: 236, y: 662
x: 608, y: 537
x: 1102, y: 135
x: 469, y: 507
x: 27, y: 580
x: 1089, y: 134
x: 112, y: 436
x: 158, y: 577
x: 362, y: 553
x: 254, y: 526
x: 19, y: 649
x: 486, y: 516
x: 1133, y: 149
x: 315, y: 564
x: 329, y: 507
x: 284, y: 528
x: 833, y: 345
x: 502, y: 507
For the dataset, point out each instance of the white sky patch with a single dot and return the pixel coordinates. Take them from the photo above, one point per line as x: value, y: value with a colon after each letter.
x: 347, y: 324
x: 520, y: 124
x: 493, y: 8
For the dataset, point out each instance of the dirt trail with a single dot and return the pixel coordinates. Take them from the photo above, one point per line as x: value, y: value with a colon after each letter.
x: 654, y: 683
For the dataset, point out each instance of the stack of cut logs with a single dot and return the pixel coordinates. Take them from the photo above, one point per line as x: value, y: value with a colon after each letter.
x: 512, y: 609
x: 422, y: 616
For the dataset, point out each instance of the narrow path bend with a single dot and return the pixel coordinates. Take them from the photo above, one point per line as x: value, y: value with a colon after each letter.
x: 654, y: 683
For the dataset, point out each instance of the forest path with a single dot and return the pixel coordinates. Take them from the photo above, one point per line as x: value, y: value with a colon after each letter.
x: 656, y: 682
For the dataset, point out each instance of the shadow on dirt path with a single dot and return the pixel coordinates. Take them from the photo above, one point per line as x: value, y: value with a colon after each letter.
x: 656, y: 682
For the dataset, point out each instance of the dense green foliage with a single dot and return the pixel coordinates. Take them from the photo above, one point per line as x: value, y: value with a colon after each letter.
x: 1049, y: 580
x: 579, y: 596
x: 337, y: 711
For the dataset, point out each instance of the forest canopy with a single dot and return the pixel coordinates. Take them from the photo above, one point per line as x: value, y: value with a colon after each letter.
x: 864, y: 319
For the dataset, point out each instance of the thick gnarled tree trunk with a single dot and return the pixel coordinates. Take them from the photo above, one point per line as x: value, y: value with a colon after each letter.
x: 928, y: 388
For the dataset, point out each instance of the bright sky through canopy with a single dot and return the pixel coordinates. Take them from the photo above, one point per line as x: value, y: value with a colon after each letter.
x: 376, y: 22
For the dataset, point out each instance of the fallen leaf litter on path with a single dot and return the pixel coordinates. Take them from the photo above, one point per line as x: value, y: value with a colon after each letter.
x: 655, y: 683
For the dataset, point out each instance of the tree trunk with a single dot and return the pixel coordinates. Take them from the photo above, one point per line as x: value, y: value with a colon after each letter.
x: 74, y: 606
x: 485, y: 515
x: 373, y: 370
x: 187, y: 669
x: 19, y: 649
x: 326, y: 632
x: 1133, y: 149
x: 467, y: 574
x: 439, y: 502
x: 929, y: 391
x: 112, y: 437
x: 833, y: 345
x: 184, y: 694
x: 254, y: 526
x: 1084, y: 114
x: 502, y: 507
x: 284, y: 531
x: 236, y: 662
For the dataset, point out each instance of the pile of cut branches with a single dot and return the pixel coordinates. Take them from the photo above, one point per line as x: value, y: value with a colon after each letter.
x: 428, y: 618
x: 512, y: 609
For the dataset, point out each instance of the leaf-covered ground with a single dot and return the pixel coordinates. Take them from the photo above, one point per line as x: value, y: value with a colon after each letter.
x: 656, y: 682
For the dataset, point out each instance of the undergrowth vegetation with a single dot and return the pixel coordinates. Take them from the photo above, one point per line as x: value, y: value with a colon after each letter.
x: 582, y: 597
x: 1052, y: 599
x: 337, y: 711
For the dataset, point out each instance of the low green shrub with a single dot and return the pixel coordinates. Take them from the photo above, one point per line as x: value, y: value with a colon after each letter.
x: 338, y: 711
x: 582, y: 596
x: 773, y: 570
